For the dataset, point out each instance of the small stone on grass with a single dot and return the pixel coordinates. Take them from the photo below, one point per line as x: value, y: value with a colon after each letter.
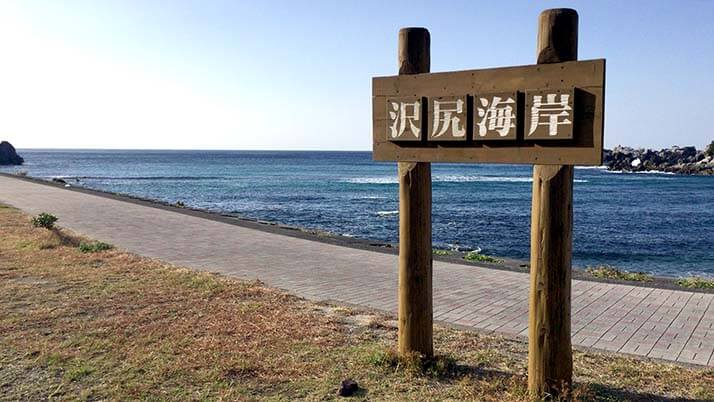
x: 348, y: 387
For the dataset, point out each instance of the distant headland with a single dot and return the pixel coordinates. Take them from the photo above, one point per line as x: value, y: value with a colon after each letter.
x: 681, y: 160
x: 8, y: 155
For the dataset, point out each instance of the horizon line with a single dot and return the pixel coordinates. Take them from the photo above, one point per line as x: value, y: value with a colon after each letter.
x: 294, y: 150
x: 189, y: 149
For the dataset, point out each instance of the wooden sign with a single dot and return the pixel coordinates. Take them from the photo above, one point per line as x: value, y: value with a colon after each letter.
x: 496, y: 116
x: 549, y: 115
x: 539, y: 114
x: 447, y: 118
x: 404, y: 119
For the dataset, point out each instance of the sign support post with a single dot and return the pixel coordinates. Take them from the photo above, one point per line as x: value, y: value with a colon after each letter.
x: 550, y: 360
x: 415, y: 249
x: 549, y: 115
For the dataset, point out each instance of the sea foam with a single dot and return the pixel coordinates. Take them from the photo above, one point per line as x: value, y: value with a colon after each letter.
x: 449, y: 179
x: 387, y: 213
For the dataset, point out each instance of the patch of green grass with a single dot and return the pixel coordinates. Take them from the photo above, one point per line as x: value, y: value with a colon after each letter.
x: 207, y: 284
x: 79, y: 371
x: 94, y: 247
x: 439, y: 252
x: 610, y: 272
x: 382, y: 357
x: 696, y: 282
x: 414, y: 364
x: 24, y: 244
x: 55, y: 359
x: 478, y: 257
x: 44, y: 220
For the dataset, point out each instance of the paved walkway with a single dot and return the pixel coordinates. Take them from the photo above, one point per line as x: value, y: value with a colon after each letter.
x: 664, y: 324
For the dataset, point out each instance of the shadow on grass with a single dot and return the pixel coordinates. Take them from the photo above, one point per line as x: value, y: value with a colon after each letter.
x: 446, y: 369
x: 580, y: 392
x: 605, y: 392
x: 57, y: 238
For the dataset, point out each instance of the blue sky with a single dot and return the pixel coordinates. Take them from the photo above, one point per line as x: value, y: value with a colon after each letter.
x: 297, y: 75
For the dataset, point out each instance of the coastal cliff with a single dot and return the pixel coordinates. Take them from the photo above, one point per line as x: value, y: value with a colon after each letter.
x: 8, y: 155
x: 681, y: 160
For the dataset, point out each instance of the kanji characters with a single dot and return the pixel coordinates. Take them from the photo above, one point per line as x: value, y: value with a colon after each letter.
x: 448, y: 116
x: 405, y: 119
x: 496, y: 115
x: 555, y: 111
x: 530, y: 115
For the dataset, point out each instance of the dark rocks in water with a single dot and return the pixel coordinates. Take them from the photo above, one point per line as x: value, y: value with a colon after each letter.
x: 8, y: 155
x: 58, y: 180
x: 682, y: 160
x: 348, y: 387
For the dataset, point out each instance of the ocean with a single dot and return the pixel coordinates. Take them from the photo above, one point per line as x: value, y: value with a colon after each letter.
x: 661, y: 224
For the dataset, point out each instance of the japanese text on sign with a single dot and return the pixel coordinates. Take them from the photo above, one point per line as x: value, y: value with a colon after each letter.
x: 547, y: 115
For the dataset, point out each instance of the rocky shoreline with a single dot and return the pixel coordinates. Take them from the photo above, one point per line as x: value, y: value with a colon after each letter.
x: 8, y: 155
x: 679, y: 160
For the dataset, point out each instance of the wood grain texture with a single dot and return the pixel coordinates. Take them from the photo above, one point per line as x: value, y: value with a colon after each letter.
x: 416, y: 113
x: 550, y: 360
x: 415, y: 259
x: 414, y: 49
x: 585, y: 148
x: 481, y: 103
x: 542, y: 132
x: 455, y: 128
x: 415, y: 317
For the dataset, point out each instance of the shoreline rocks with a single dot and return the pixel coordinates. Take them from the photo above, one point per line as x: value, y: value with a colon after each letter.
x: 8, y: 155
x: 680, y: 160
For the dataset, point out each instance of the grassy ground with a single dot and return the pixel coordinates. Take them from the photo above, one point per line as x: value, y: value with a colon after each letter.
x: 696, y: 283
x: 110, y: 325
x: 609, y: 272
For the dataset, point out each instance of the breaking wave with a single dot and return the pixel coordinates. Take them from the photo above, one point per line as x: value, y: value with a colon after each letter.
x: 162, y: 178
x: 601, y: 167
x: 657, y: 172
x: 387, y: 213
x: 449, y: 179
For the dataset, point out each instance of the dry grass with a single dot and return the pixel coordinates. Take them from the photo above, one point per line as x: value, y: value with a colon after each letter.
x: 116, y: 326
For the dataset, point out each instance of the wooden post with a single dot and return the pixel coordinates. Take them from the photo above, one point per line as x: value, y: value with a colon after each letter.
x: 415, y: 259
x: 550, y: 360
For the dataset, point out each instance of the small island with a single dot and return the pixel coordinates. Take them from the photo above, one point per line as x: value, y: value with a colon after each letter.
x: 8, y: 155
x: 680, y: 160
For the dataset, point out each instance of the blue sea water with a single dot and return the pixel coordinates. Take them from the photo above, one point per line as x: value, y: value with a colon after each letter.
x: 658, y: 223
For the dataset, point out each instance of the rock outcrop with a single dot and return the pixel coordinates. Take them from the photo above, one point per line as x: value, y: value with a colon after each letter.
x: 682, y: 160
x: 8, y: 155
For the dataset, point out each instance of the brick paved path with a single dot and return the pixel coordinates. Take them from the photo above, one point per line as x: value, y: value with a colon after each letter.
x: 659, y: 323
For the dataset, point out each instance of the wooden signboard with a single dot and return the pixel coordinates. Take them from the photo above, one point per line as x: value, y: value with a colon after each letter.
x: 549, y: 115
x: 539, y: 114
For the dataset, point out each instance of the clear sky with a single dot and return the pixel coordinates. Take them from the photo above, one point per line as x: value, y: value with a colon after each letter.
x: 297, y: 74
